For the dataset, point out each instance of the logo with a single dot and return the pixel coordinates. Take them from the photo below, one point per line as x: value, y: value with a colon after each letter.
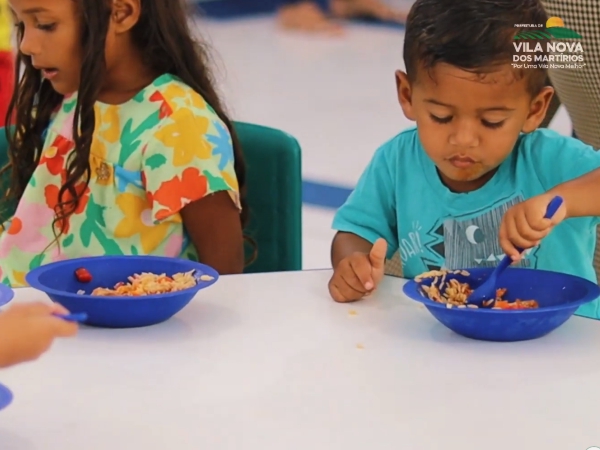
x: 549, y: 46
x: 555, y: 29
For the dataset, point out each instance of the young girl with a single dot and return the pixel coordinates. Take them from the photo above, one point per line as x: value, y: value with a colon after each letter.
x: 121, y: 143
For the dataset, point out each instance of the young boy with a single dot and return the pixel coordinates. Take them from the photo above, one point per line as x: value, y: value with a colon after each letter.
x: 438, y: 192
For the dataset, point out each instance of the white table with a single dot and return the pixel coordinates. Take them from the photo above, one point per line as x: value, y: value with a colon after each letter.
x: 269, y: 362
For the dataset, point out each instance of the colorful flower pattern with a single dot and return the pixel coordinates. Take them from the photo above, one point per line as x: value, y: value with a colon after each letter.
x: 150, y: 157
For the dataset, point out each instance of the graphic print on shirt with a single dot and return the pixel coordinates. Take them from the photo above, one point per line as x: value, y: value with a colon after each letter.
x: 472, y: 242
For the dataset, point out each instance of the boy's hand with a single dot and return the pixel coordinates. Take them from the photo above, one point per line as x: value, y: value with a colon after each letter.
x: 28, y: 330
x: 358, y: 274
x: 524, y: 225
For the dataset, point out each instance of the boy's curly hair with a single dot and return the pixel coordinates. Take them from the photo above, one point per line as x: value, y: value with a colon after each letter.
x: 474, y: 35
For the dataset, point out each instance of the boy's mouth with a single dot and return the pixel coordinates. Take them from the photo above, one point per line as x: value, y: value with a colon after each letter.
x: 461, y: 162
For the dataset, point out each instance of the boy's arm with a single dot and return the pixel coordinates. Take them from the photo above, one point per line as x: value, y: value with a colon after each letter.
x: 345, y: 244
x: 581, y: 195
x: 369, y: 213
x: 567, y: 167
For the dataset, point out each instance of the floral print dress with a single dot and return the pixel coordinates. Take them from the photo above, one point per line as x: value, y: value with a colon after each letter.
x: 150, y: 157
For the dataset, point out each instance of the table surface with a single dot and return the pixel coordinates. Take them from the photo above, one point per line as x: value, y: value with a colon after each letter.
x: 270, y: 362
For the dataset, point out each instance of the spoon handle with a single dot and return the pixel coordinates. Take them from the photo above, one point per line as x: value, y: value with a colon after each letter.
x: 76, y: 317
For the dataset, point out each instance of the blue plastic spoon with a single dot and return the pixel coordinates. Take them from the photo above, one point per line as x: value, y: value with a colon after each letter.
x: 76, y: 317
x: 486, y: 291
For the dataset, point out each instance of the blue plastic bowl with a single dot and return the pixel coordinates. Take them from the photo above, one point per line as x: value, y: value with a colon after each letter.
x: 558, y: 295
x: 58, y: 281
x: 6, y: 397
x: 6, y: 294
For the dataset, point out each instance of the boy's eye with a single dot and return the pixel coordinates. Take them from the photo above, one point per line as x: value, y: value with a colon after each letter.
x: 46, y: 26
x: 440, y: 119
x: 492, y: 125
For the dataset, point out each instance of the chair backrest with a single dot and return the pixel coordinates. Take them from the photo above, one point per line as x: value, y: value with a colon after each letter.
x: 3, y: 147
x: 274, y: 193
x: 6, y: 209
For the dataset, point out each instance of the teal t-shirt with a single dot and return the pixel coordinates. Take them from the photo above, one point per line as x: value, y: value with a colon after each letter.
x: 401, y: 198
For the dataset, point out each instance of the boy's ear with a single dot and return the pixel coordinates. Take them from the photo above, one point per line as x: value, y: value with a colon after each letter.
x: 125, y: 14
x: 538, y: 109
x: 404, y: 90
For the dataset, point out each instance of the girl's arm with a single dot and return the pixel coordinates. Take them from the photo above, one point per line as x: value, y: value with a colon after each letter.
x: 213, y: 224
x: 188, y: 172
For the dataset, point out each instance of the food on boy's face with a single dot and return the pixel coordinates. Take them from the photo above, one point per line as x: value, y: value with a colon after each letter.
x: 469, y: 123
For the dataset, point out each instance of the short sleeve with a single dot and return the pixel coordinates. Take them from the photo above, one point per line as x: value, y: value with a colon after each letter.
x: 189, y: 156
x: 370, y: 210
x: 557, y: 159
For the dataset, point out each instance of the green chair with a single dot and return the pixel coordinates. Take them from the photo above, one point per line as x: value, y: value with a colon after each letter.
x: 274, y: 192
x: 3, y: 147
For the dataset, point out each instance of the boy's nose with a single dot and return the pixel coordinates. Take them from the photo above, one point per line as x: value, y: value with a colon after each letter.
x: 464, y: 136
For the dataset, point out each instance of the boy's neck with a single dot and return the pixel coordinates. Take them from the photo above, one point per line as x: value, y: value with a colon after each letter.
x: 461, y: 187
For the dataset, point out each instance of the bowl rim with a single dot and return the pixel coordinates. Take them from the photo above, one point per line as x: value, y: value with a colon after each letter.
x: 412, y: 291
x: 33, y: 276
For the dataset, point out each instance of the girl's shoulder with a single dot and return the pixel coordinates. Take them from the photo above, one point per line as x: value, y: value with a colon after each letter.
x: 167, y: 107
x: 176, y: 98
x: 167, y: 101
